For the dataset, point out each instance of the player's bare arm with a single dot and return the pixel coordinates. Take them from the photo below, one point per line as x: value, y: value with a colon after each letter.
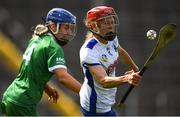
x: 67, y: 80
x: 125, y: 57
x: 101, y: 76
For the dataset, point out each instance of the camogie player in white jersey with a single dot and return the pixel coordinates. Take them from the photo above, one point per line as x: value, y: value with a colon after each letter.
x: 99, y: 56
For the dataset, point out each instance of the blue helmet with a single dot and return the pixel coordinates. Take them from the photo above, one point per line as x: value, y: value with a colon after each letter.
x: 59, y: 15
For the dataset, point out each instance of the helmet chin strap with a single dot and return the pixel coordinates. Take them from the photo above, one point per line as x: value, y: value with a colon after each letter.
x: 110, y: 36
x: 107, y: 38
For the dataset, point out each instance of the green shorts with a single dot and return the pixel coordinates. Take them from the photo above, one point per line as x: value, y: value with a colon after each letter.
x: 10, y: 109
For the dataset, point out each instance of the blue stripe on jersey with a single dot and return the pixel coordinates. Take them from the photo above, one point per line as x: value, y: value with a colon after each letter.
x: 93, y: 96
x: 91, y: 44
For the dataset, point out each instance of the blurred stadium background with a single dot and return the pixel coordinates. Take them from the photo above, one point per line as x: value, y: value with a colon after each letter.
x: 158, y: 93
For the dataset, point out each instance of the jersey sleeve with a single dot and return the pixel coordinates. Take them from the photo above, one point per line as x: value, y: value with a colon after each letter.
x: 89, y: 57
x: 55, y: 58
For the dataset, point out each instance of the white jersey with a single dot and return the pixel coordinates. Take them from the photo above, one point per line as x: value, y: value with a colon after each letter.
x: 93, y: 97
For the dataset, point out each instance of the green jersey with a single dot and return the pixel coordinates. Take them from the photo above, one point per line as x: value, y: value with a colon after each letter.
x: 41, y: 57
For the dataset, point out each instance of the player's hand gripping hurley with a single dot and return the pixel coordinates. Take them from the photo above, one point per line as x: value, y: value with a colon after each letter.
x: 166, y: 34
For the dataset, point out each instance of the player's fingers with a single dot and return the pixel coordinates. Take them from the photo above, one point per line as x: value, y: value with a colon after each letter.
x: 135, y: 83
x: 54, y: 100
x: 132, y: 82
x: 49, y: 99
x: 129, y: 72
x: 56, y: 96
x: 136, y: 77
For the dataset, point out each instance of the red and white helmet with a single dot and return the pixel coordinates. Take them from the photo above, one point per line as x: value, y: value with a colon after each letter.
x: 96, y: 14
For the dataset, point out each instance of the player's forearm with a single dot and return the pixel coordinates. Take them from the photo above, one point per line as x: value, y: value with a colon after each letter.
x: 67, y: 80
x: 110, y: 82
x: 135, y: 67
x: 71, y: 83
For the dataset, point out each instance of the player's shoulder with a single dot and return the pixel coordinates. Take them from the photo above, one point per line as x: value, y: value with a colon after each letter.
x: 49, y: 41
x: 90, y: 44
x: 48, y: 37
x: 89, y: 49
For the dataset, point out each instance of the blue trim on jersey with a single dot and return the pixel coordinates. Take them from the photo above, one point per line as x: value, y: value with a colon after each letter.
x: 91, y: 43
x: 93, y: 64
x: 90, y: 64
x: 115, y: 48
x: 93, y: 96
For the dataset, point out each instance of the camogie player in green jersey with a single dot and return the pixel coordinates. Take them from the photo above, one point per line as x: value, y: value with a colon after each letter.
x: 43, y: 58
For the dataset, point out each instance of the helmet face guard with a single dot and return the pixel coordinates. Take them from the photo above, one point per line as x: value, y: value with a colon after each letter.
x: 70, y: 30
x: 103, y: 21
x: 65, y: 24
x: 107, y: 27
